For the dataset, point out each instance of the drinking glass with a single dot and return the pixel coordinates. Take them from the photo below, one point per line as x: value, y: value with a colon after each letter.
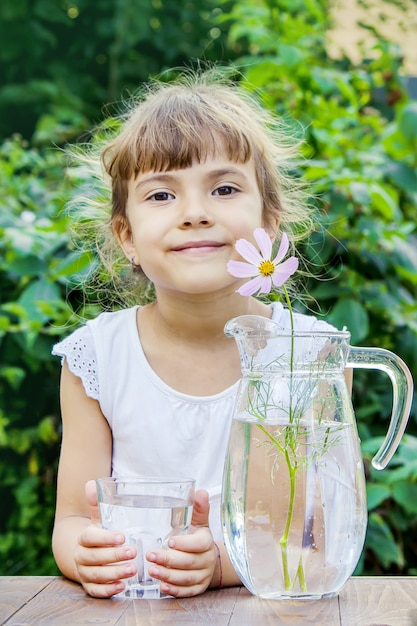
x: 148, y: 511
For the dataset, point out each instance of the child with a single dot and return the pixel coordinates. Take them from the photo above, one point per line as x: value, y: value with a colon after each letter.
x: 149, y: 390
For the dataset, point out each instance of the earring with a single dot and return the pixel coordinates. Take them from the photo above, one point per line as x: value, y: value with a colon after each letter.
x: 134, y: 266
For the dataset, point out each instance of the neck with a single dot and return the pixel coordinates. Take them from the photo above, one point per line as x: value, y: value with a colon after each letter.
x: 202, y: 319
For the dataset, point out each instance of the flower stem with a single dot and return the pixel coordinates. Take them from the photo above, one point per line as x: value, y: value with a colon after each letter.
x: 284, y: 539
x: 292, y: 470
x: 289, y: 305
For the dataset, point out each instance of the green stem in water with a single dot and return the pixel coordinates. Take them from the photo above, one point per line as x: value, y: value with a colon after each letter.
x: 300, y: 574
x: 292, y: 470
x: 292, y: 464
x: 284, y: 539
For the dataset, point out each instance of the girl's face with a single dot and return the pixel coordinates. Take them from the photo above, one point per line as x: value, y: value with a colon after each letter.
x: 183, y: 224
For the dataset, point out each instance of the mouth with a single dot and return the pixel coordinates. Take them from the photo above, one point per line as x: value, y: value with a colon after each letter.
x: 198, y: 246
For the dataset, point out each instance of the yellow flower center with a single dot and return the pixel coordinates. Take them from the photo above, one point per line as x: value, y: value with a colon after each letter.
x: 266, y: 268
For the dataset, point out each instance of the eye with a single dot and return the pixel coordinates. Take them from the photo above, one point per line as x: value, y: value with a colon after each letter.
x: 161, y: 196
x: 224, y: 190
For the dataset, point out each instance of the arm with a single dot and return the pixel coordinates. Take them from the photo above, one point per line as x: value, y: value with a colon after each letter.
x: 84, y: 551
x: 348, y: 373
x: 93, y: 556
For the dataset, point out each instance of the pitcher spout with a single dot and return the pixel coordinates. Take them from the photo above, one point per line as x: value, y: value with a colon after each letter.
x: 252, y: 334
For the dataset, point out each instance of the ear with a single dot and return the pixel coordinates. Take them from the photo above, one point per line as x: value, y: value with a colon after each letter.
x: 123, y: 234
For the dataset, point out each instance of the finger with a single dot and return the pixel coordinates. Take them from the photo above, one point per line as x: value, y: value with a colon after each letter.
x: 182, y: 584
x: 91, y: 495
x: 103, y: 591
x: 96, y: 537
x: 201, y: 509
x: 106, y: 574
x: 182, y: 592
x: 94, y: 556
x: 173, y: 559
x: 191, y: 552
x: 198, y: 540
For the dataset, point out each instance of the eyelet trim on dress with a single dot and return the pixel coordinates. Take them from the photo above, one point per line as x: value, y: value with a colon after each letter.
x: 78, y: 350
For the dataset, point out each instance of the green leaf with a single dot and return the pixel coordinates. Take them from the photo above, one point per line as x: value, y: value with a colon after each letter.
x: 403, y: 175
x: 407, y: 450
x: 360, y: 192
x: 371, y: 446
x: 408, y: 121
x: 405, y: 472
x: 405, y: 255
x: 73, y: 264
x: 13, y: 375
x: 47, y: 430
x: 380, y: 539
x: 290, y: 56
x: 38, y: 291
x: 405, y: 494
x: 376, y: 494
x: 29, y: 265
x: 350, y: 313
x: 384, y: 201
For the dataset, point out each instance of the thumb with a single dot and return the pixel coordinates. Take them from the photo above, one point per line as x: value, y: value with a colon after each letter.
x: 91, y: 495
x: 201, y: 508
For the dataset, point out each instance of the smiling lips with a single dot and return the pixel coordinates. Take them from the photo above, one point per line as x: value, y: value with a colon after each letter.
x: 198, y: 246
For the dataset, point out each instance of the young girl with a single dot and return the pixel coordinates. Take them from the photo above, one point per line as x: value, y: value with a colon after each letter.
x: 149, y: 390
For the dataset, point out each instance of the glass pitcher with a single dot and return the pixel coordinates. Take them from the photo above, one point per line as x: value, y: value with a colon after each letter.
x: 293, y: 500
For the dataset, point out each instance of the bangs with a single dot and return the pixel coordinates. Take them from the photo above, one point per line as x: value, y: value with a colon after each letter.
x: 177, y: 146
x: 175, y: 134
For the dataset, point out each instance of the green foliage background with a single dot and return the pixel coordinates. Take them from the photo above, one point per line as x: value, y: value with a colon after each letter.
x: 360, y: 157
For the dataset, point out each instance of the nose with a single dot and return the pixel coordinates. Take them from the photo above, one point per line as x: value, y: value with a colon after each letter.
x: 195, y: 215
x: 189, y: 222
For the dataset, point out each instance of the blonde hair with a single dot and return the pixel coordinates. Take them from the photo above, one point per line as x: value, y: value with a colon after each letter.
x: 172, y: 125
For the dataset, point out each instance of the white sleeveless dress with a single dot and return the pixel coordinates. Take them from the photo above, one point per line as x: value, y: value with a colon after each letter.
x: 157, y: 431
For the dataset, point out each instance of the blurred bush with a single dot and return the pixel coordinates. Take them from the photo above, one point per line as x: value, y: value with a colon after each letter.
x: 35, y: 269
x: 360, y: 156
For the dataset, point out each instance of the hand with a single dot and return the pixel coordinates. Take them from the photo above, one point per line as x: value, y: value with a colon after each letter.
x: 101, y: 559
x: 187, y: 567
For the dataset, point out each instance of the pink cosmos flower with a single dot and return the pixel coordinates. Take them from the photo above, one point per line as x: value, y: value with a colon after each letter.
x: 263, y: 271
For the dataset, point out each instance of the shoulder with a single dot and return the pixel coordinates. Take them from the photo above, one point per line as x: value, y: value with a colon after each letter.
x: 84, y: 334
x: 113, y: 319
x: 83, y: 349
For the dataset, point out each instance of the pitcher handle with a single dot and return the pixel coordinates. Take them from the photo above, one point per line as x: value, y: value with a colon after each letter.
x: 402, y: 384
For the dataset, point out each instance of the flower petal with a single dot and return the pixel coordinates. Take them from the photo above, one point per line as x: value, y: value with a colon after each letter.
x: 266, y: 284
x: 241, y: 270
x: 283, y: 248
x: 248, y: 252
x: 283, y: 271
x: 264, y: 242
x: 251, y: 287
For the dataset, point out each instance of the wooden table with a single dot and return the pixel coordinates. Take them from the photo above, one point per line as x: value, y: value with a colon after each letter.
x: 364, y: 601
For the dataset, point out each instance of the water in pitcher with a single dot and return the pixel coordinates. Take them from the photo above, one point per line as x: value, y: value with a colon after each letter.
x: 306, y: 541
x: 147, y: 522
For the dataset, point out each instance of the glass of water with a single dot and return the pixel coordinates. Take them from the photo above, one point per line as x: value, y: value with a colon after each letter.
x: 148, y: 511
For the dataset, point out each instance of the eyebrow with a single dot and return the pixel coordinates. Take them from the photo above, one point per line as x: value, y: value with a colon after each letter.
x: 154, y: 178
x: 162, y: 177
x: 233, y: 171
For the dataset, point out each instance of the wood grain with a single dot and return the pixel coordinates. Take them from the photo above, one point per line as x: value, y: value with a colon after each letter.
x: 251, y: 610
x: 364, y: 601
x: 17, y: 591
x: 63, y: 602
x: 212, y: 607
x: 382, y: 601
